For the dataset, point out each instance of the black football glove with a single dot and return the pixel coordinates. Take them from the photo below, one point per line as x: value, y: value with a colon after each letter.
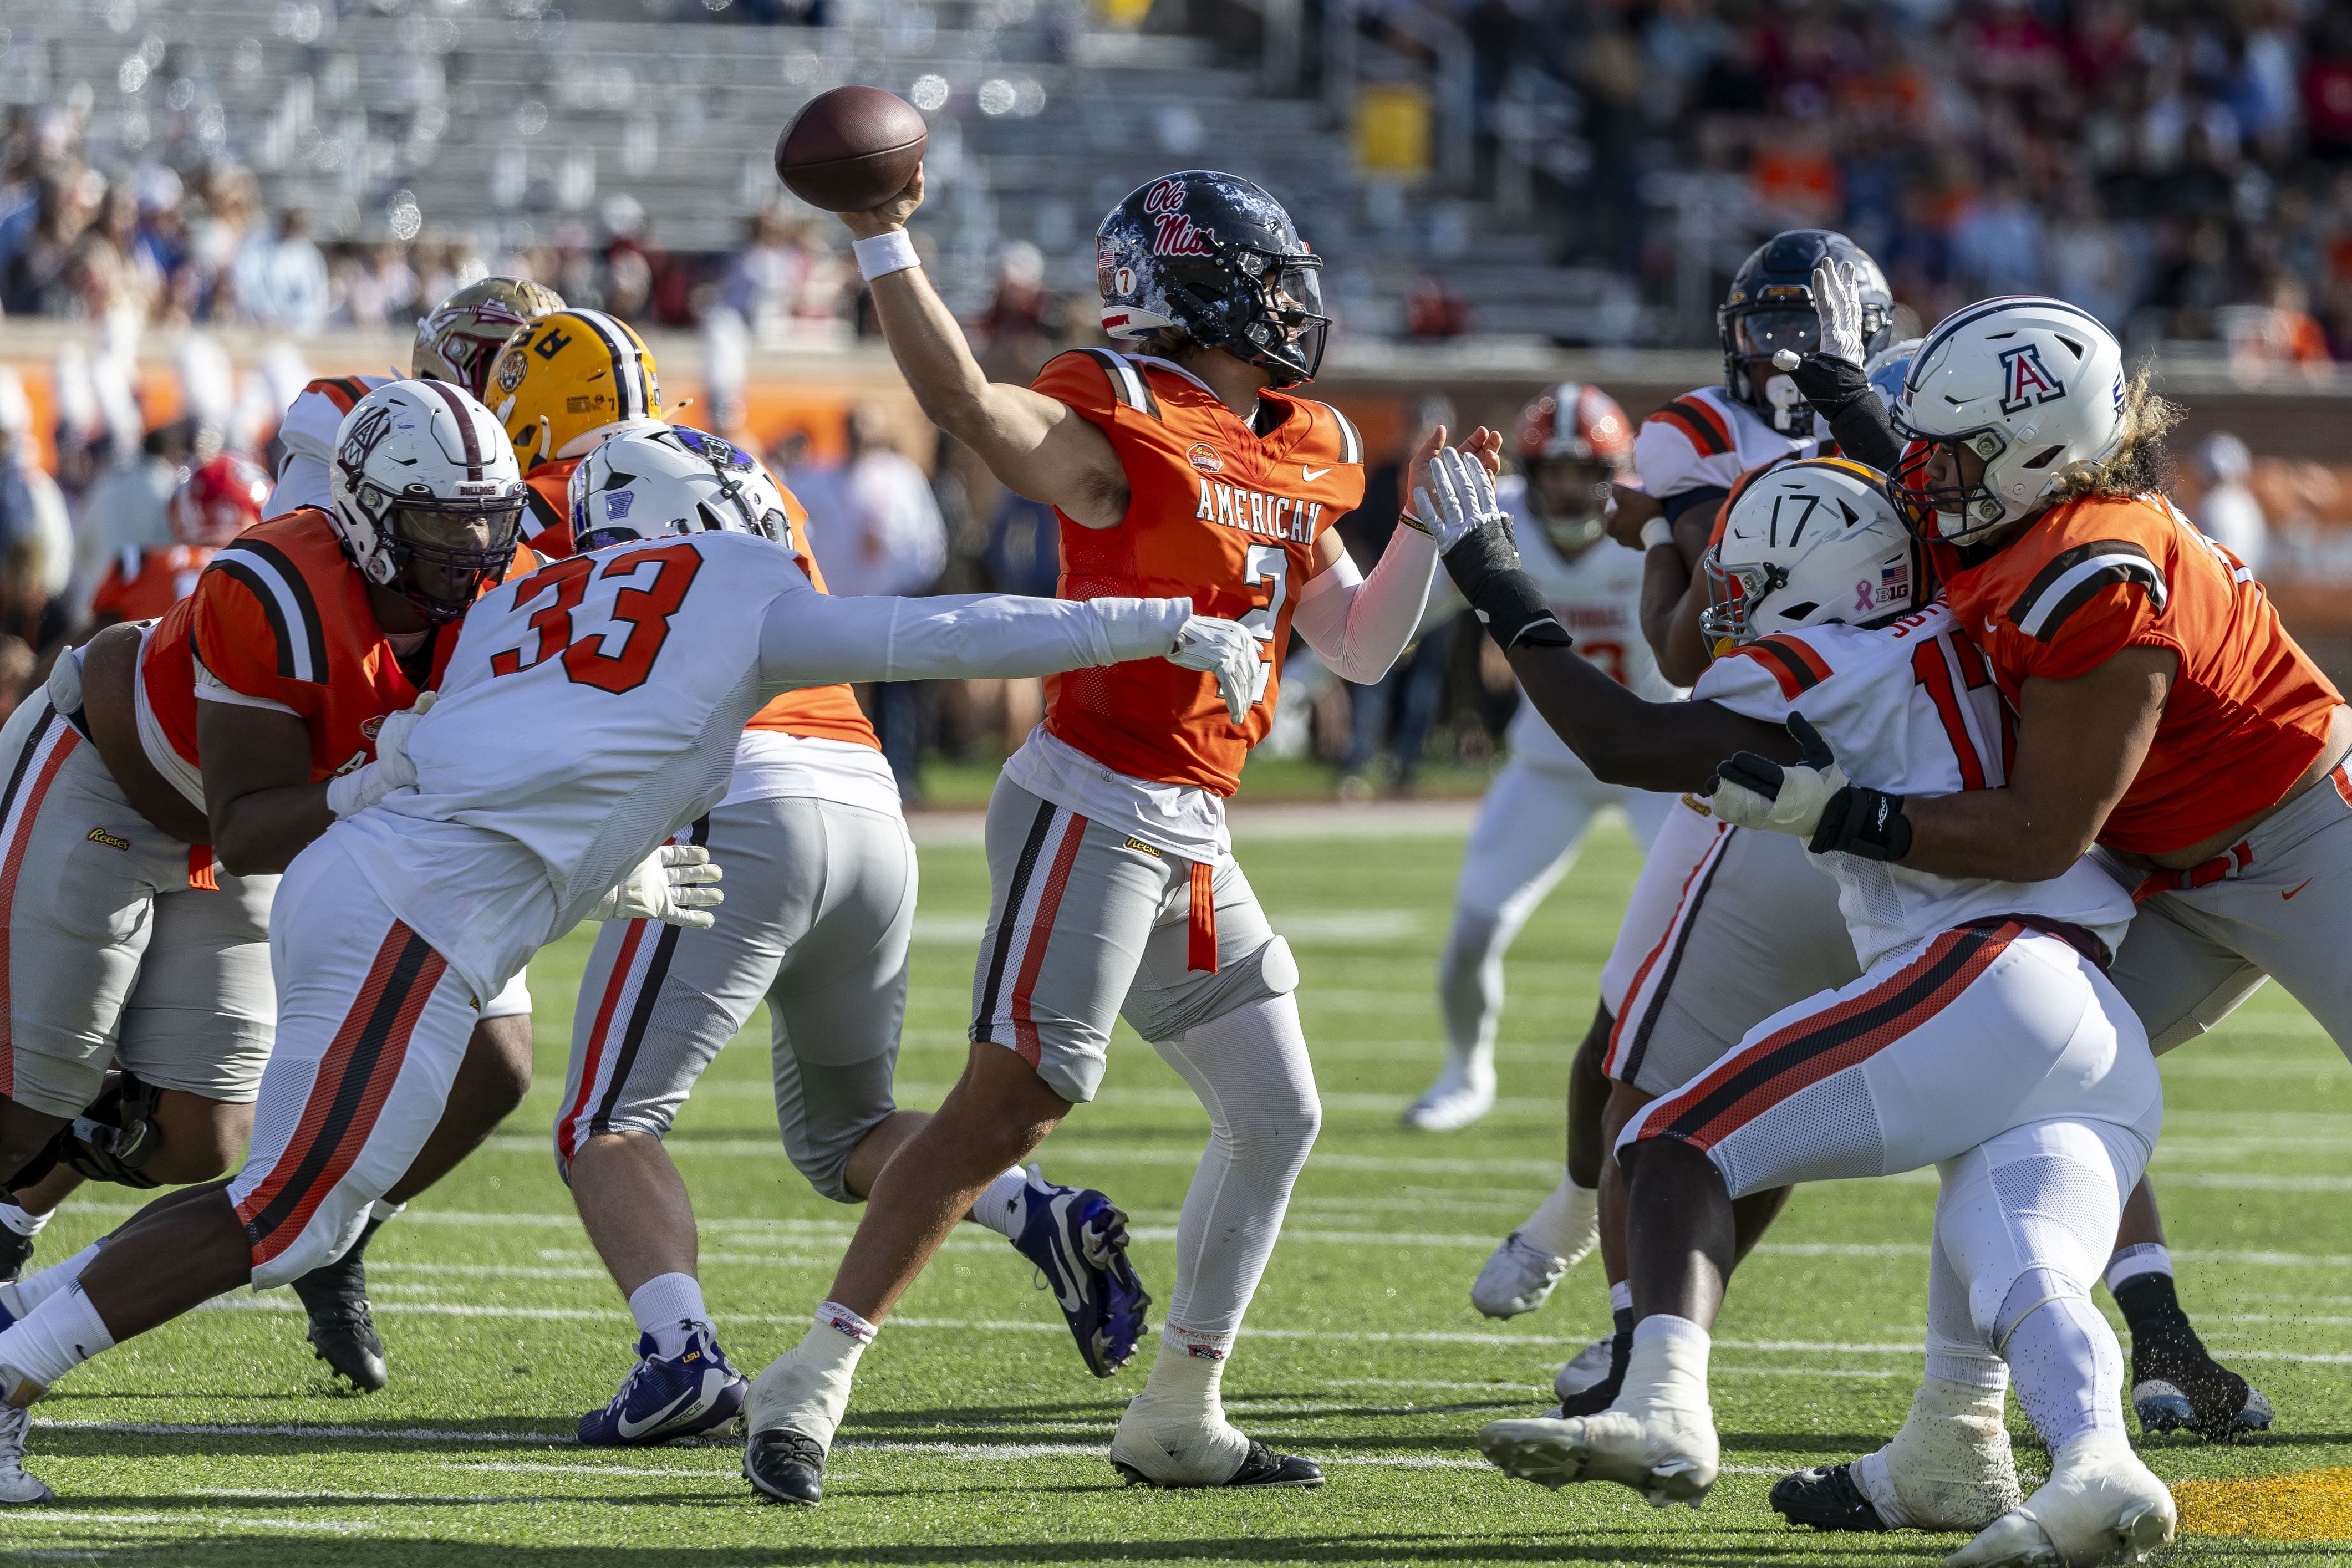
x: 1811, y: 801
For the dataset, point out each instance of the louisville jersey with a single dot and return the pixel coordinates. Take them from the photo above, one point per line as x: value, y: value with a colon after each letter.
x: 2248, y: 710
x: 1596, y: 595
x: 1695, y: 447
x: 1216, y: 512
x: 281, y: 618
x: 1908, y: 707
x: 308, y: 435
x: 142, y: 583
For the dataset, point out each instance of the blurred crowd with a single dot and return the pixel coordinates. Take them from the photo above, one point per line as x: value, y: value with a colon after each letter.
x: 2177, y: 166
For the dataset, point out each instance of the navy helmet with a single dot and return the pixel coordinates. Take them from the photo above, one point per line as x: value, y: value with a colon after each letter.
x: 1217, y: 259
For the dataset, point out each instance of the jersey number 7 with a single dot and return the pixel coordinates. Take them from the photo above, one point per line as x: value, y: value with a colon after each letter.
x: 647, y: 587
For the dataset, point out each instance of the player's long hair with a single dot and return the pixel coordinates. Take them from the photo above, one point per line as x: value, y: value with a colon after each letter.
x: 2141, y: 464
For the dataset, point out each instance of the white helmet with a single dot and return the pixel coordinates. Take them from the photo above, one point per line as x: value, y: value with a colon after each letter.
x: 671, y: 479
x: 1806, y: 543
x: 2032, y: 388
x: 423, y: 477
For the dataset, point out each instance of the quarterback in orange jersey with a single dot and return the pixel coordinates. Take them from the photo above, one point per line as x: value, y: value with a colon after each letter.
x: 561, y: 385
x: 222, y: 497
x: 456, y: 342
x: 1193, y: 467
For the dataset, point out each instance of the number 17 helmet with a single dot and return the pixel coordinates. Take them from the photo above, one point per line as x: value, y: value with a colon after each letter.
x: 1806, y: 543
x: 1218, y: 258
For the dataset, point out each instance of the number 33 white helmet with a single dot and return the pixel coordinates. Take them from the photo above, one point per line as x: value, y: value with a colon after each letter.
x: 428, y: 498
x: 671, y: 479
x: 2032, y: 388
x: 1806, y: 543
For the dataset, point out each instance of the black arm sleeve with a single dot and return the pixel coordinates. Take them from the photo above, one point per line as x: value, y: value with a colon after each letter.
x: 1857, y: 416
x: 1624, y: 739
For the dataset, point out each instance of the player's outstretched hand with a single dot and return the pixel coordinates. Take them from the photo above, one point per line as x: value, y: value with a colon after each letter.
x: 892, y: 214
x: 1752, y: 790
x: 1837, y: 302
x: 1453, y: 494
x: 673, y: 885
x: 1227, y: 650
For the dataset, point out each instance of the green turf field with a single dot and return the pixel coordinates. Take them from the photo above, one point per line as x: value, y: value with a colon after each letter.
x: 978, y: 1436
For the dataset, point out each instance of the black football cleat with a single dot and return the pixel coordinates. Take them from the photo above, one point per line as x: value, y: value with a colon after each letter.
x: 785, y: 1466
x: 16, y: 1251
x: 342, y: 1326
x: 1597, y: 1397
x: 2177, y: 1386
x: 1261, y: 1467
x: 1824, y: 1498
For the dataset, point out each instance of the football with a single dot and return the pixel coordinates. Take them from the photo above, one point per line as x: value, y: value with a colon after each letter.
x: 851, y: 149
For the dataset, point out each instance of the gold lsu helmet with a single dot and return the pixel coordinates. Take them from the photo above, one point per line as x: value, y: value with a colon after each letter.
x: 566, y: 380
x: 457, y: 340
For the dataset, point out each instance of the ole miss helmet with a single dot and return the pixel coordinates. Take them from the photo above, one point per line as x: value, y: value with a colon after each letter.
x: 1218, y: 258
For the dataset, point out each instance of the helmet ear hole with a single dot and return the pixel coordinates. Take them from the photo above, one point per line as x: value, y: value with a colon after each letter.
x: 2045, y: 457
x: 1798, y: 612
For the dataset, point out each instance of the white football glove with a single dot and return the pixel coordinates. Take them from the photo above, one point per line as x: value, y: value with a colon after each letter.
x: 1752, y: 790
x: 1226, y: 649
x: 672, y: 885
x: 1457, y: 495
x: 363, y: 787
x: 1837, y: 300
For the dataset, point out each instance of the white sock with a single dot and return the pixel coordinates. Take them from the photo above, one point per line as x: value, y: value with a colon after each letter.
x: 1667, y: 1364
x: 1567, y: 1223
x: 384, y: 1209
x: 1621, y: 1297
x: 2127, y: 1264
x: 27, y: 1294
x: 1175, y: 1431
x: 1949, y: 1466
x: 22, y: 1223
x: 665, y: 1307
x: 806, y: 1389
x: 65, y: 1332
x: 2064, y: 1360
x: 1005, y: 1205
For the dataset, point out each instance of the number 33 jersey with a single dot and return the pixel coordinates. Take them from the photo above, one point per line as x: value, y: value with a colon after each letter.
x: 1215, y: 512
x: 1911, y: 708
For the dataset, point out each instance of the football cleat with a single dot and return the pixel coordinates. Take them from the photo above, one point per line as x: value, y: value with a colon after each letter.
x: 1261, y: 1467
x: 2100, y: 1505
x: 343, y: 1325
x: 17, y: 1487
x: 1463, y: 1092
x: 785, y: 1466
x: 1077, y: 1239
x: 1669, y: 1456
x: 1517, y: 1277
x: 1593, y: 1398
x: 1826, y: 1499
x: 2177, y: 1386
x: 665, y: 1397
x: 1589, y: 1367
x: 16, y: 1251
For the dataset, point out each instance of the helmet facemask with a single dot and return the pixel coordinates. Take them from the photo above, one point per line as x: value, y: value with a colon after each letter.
x: 1283, y: 331
x: 1733, y: 594
x: 467, y: 544
x: 1956, y: 511
x: 1568, y: 497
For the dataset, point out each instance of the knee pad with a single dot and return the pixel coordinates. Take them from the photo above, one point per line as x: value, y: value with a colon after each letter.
x: 1277, y: 971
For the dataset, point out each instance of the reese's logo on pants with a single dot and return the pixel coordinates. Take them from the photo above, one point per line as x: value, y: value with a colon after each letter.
x: 100, y: 835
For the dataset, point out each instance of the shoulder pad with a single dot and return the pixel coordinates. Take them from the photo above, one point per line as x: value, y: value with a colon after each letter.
x: 1130, y: 387
x: 1346, y: 441
x: 1698, y: 423
x: 2069, y: 580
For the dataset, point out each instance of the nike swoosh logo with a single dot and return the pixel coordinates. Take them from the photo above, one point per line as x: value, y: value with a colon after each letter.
x: 2296, y: 888
x: 638, y: 1428
x: 1066, y: 1289
x: 1312, y: 474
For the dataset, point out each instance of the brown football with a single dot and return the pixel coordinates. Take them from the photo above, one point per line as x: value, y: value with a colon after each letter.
x: 851, y: 149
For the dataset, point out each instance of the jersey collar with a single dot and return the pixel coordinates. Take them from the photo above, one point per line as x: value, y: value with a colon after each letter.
x: 1284, y: 433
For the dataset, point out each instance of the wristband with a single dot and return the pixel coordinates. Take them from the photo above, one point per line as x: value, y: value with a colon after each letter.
x: 1415, y: 523
x: 893, y: 250
x: 1865, y: 823
x: 1658, y: 531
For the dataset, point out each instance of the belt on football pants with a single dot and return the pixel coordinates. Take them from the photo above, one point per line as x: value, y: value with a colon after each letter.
x: 2079, y: 938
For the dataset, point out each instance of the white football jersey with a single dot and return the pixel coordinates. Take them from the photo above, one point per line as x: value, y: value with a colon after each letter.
x: 1910, y: 708
x: 308, y: 435
x: 594, y: 707
x: 1598, y: 597
x: 1703, y: 440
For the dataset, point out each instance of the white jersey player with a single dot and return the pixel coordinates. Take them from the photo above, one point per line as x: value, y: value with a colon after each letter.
x: 588, y: 712
x: 456, y: 343
x: 1983, y: 1037
x: 1573, y: 443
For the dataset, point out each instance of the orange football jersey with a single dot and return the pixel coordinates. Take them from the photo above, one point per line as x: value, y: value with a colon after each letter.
x: 2248, y: 710
x: 281, y: 613
x: 820, y: 712
x: 145, y: 582
x: 547, y: 525
x: 1215, y: 511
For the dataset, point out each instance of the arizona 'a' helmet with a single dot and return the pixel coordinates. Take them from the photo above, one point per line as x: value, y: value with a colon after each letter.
x: 1574, y: 422
x: 2031, y: 387
x: 463, y: 335
x: 422, y: 476
x: 1218, y: 258
x: 1805, y: 544
x: 570, y: 379
x: 672, y: 479
x: 220, y: 499
x: 1769, y: 307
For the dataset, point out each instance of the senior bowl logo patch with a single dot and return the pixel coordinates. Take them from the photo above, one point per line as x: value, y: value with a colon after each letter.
x: 2025, y: 380
x: 1204, y: 458
x: 100, y: 835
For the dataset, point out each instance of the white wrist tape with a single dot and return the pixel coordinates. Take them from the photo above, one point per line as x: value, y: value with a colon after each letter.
x: 1658, y: 531
x: 890, y: 252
